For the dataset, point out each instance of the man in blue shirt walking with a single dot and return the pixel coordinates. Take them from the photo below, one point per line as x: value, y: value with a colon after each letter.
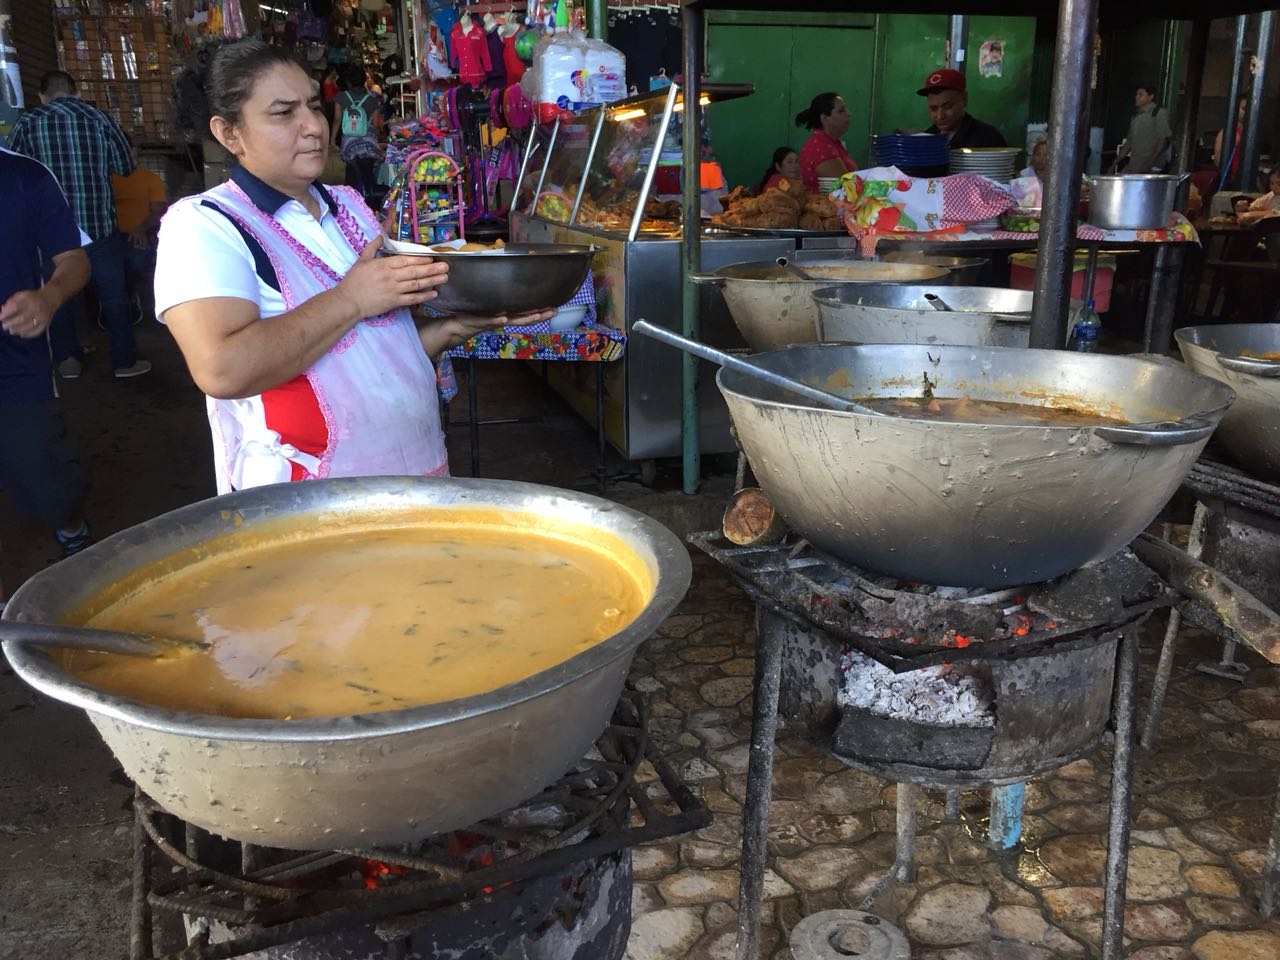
x: 38, y: 468
x: 83, y: 147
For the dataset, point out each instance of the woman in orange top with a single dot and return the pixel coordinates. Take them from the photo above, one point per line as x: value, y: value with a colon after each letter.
x: 823, y: 155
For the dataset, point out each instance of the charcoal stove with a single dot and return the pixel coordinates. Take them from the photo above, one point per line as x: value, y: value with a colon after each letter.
x: 1057, y: 662
x: 1236, y: 531
x: 550, y: 878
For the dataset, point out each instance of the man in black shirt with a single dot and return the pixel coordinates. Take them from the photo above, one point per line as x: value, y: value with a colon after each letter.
x: 948, y: 108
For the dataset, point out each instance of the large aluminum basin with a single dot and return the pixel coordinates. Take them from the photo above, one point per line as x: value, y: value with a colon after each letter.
x: 772, y: 307
x: 965, y: 504
x: 353, y: 781
x: 1251, y: 429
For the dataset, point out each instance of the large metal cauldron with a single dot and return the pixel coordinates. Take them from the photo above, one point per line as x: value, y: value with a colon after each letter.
x: 357, y: 781
x: 773, y: 307
x: 964, y: 270
x: 898, y: 313
x: 1251, y: 430
x: 972, y: 504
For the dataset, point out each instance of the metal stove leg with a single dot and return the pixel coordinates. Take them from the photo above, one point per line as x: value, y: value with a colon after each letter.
x: 140, y: 908
x: 1121, y: 796
x: 1271, y: 871
x: 1169, y: 648
x: 905, y: 862
x: 1160, y: 685
x: 1006, y: 816
x: 755, y: 813
x: 952, y: 809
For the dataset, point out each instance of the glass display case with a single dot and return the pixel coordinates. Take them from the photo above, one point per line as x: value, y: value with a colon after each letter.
x: 598, y: 170
x: 621, y: 195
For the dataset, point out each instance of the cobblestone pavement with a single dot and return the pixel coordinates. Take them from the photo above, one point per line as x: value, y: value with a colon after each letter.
x: 1202, y: 809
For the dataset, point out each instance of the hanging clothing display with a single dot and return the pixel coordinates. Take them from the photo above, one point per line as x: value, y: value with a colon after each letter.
x: 469, y: 53
x: 515, y: 66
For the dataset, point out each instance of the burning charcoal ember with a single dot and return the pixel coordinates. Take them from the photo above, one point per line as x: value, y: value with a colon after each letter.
x: 940, y: 696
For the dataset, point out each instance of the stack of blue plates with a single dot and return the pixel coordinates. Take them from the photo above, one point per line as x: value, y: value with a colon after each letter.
x: 909, y: 151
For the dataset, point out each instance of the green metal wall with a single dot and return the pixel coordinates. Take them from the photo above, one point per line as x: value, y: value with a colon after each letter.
x: 910, y: 45
x: 875, y: 62
x: 790, y: 58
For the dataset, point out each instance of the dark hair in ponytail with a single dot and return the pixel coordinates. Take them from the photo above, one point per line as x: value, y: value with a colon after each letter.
x: 235, y: 68
x: 778, y: 156
x: 819, y: 107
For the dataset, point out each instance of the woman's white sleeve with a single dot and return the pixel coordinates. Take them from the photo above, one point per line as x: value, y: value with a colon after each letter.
x: 201, y: 255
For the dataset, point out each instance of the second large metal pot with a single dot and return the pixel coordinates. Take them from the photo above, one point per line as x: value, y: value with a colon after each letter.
x: 899, y: 313
x: 1141, y: 201
x: 964, y: 270
x: 972, y: 504
x: 1251, y: 429
x: 354, y: 781
x: 772, y: 307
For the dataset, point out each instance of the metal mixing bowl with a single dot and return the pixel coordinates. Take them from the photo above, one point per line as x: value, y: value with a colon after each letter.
x: 517, y: 279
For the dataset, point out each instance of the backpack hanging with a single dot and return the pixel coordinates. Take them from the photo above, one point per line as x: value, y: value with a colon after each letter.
x: 355, y: 121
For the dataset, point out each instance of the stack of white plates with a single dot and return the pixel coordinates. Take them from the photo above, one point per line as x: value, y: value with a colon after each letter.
x: 998, y: 163
x: 827, y: 184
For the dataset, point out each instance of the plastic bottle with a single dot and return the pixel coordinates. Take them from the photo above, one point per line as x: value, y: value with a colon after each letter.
x: 1084, y: 336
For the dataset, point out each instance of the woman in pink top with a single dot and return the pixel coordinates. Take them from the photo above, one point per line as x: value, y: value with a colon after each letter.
x: 823, y: 155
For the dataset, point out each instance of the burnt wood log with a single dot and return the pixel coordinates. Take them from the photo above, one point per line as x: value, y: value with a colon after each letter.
x: 751, y: 521
x: 1251, y: 619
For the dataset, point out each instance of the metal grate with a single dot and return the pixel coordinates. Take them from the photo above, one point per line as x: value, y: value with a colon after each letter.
x: 277, y: 897
x: 906, y: 626
x: 1217, y: 481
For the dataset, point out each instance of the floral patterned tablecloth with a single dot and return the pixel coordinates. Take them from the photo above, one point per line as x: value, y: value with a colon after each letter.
x: 591, y: 343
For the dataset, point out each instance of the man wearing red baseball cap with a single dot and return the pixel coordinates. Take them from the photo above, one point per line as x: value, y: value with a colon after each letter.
x: 948, y: 108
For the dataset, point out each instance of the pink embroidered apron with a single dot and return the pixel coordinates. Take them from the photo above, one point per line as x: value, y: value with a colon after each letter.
x: 376, y: 387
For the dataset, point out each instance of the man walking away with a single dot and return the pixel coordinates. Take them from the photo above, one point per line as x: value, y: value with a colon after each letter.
x: 38, y: 468
x: 83, y: 147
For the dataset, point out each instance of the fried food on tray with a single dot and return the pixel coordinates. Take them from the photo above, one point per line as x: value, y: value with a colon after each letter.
x: 781, y: 207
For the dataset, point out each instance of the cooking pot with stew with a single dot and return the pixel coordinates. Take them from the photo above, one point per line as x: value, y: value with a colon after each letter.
x: 442, y: 683
x: 982, y: 466
x: 773, y: 307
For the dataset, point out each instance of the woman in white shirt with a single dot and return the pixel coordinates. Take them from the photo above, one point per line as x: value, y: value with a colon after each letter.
x: 298, y: 331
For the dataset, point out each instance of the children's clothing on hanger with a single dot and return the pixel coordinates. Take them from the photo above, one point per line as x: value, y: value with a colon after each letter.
x: 469, y: 53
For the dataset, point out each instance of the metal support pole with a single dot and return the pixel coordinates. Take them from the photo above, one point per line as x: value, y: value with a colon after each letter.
x: 1271, y: 870
x: 755, y: 812
x: 1068, y: 124
x: 1184, y: 145
x: 1006, y: 816
x: 1252, y: 142
x: 1169, y: 648
x: 691, y: 249
x: 905, y: 860
x: 598, y: 19
x: 1162, y: 303
x: 957, y: 41
x: 601, y: 453
x: 473, y: 417
x: 1115, y: 879
x: 1233, y: 106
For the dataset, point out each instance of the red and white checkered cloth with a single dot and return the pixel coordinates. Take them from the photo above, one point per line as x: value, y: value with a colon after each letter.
x: 969, y: 198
